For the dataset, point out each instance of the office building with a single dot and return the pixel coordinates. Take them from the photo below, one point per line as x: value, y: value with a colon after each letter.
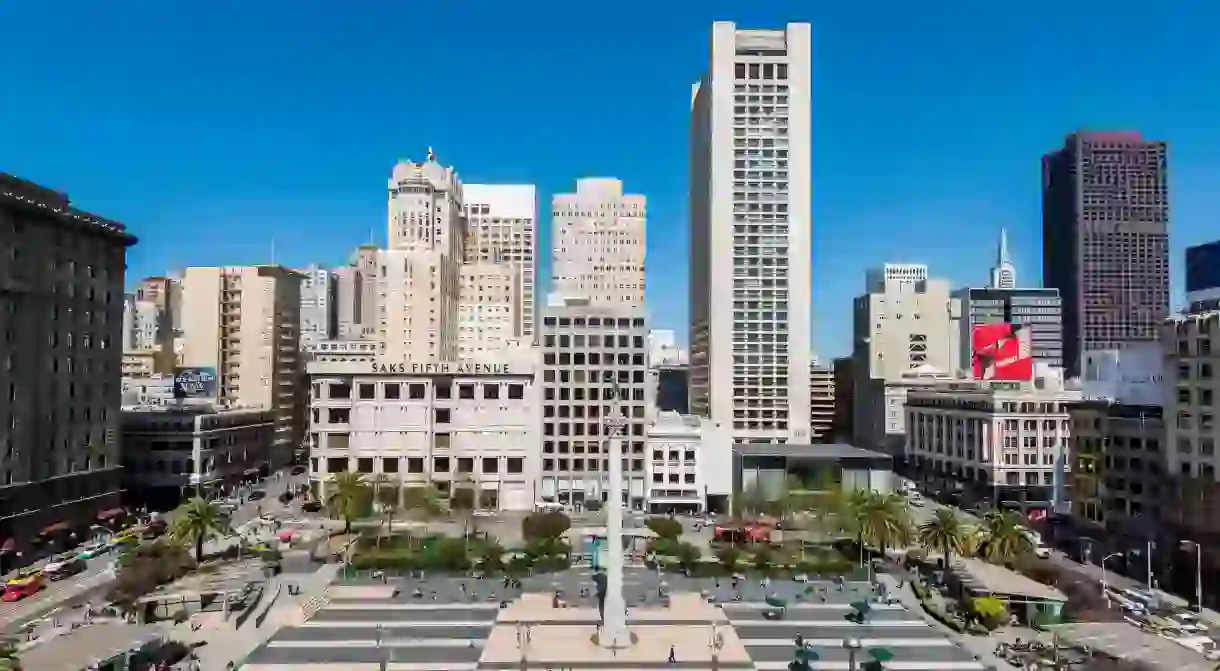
x: 595, y: 382
x: 677, y: 468
x: 844, y: 390
x: 174, y: 452
x: 1117, y: 469
x: 61, y: 321
x: 1105, y: 239
x: 822, y: 403
x: 502, y: 223
x: 598, y: 245
x: 1001, y: 442
x: 243, y: 324
x: 488, y: 312
x: 318, y: 298
x: 450, y: 424
x: 667, y: 364
x: 1039, y: 311
x: 357, y: 308
x: 151, y: 321
x: 750, y: 227
x: 1203, y: 277
x: 905, y: 332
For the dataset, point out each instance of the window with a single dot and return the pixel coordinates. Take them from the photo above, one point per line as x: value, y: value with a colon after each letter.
x: 393, y: 391
x: 364, y: 465
x: 465, y: 391
x: 415, y: 464
x: 441, y: 416
x: 491, y: 465
x: 417, y: 391
x: 368, y: 391
x: 491, y: 391
x: 516, y: 465
x: 440, y: 464
x: 389, y: 465
x: 517, y: 391
x: 444, y: 388
x: 465, y: 465
x: 340, y: 390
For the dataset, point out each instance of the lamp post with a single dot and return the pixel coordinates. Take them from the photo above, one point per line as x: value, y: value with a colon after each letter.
x: 1104, y: 583
x: 853, y: 647
x: 1187, y: 544
x: 715, y: 643
x: 382, y: 662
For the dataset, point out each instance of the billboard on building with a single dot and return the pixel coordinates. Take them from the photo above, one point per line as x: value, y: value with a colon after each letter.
x: 1133, y: 374
x: 194, y: 382
x: 1001, y: 352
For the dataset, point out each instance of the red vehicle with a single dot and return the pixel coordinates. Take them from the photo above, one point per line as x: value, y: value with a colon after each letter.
x: 17, y: 590
x: 746, y: 533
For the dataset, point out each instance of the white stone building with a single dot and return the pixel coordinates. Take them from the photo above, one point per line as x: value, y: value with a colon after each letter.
x: 318, y: 319
x: 750, y: 227
x: 452, y: 424
x: 488, y: 321
x: 676, y: 462
x: 502, y: 223
x: 598, y: 245
x: 1002, y: 442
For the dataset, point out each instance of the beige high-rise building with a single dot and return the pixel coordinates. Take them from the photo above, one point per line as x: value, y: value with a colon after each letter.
x: 502, y: 229
x: 488, y: 311
x: 245, y: 323
x: 598, y: 245
x: 419, y: 276
x: 158, y: 303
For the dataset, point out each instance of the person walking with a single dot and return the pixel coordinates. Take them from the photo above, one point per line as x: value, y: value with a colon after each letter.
x: 673, y: 656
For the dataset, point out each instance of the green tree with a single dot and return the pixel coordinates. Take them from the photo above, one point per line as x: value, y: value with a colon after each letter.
x: 346, y: 497
x: 944, y: 533
x: 876, y: 519
x: 1004, y: 540
x: 688, y: 556
x: 547, y: 527
x: 990, y: 611
x: 8, y: 656
x: 464, y: 501
x: 198, y: 521
x: 424, y: 503
x: 729, y: 557
x: 664, y: 527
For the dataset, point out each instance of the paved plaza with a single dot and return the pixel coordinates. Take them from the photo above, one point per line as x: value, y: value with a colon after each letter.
x: 444, y: 623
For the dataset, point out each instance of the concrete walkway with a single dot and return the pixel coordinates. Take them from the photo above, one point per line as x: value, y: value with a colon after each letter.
x: 982, y: 647
x: 223, y: 643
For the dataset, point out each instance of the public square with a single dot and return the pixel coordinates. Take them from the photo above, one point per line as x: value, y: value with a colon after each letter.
x: 444, y: 623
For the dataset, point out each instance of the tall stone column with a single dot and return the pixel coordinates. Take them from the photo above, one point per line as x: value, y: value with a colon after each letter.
x: 614, y: 632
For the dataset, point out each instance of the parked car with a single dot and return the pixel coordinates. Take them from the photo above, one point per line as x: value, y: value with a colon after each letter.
x: 58, y: 570
x: 16, y: 590
x: 257, y: 495
x: 93, y: 550
x: 311, y: 506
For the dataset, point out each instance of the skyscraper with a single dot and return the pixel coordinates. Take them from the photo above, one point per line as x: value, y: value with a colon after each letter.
x: 502, y: 223
x: 598, y: 245
x: 1003, y: 273
x: 750, y: 227
x: 1105, y: 239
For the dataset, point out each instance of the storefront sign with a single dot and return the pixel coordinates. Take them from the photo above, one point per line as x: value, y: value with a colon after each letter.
x: 441, y: 368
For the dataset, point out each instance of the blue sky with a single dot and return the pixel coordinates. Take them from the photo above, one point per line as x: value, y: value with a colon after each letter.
x: 213, y: 129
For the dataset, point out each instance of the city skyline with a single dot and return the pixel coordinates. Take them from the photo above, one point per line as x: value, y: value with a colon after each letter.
x: 223, y: 196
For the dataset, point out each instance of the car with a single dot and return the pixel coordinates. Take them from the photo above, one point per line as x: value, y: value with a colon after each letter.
x: 1042, y: 551
x: 257, y: 495
x: 93, y: 550
x: 298, y: 470
x: 16, y: 590
x: 64, y: 569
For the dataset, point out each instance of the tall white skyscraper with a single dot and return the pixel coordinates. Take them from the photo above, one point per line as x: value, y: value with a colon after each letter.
x: 1004, y: 273
x: 317, y: 304
x: 598, y: 245
x: 502, y: 220
x: 750, y: 227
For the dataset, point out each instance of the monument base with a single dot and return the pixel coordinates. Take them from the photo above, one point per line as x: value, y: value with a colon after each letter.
x: 530, y: 631
x: 632, y: 639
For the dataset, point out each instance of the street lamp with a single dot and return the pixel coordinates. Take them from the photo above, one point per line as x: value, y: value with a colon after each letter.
x: 715, y: 643
x: 1104, y: 584
x: 1187, y: 544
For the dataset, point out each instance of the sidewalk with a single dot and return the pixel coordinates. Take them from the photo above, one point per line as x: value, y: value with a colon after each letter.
x: 982, y: 647
x: 223, y: 643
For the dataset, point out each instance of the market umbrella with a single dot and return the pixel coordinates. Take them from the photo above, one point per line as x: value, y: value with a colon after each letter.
x: 776, y: 602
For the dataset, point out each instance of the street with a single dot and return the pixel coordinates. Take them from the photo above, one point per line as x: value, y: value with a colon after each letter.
x: 99, y: 572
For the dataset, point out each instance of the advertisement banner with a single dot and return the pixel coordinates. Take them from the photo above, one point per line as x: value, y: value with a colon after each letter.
x: 194, y: 382
x: 1001, y: 352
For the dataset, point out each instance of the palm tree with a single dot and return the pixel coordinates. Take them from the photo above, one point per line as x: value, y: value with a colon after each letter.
x: 876, y: 519
x: 944, y: 532
x: 465, y: 501
x: 972, y: 540
x: 424, y: 502
x: 197, y: 522
x: 1003, y: 538
x: 346, y: 497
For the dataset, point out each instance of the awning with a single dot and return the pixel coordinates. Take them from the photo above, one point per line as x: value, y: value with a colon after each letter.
x: 110, y: 512
x: 54, y: 528
x: 8, y: 546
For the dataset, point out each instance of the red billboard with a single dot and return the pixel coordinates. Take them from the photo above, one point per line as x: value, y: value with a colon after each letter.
x: 1001, y: 352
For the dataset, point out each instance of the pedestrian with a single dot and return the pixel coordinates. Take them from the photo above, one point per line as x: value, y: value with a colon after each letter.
x: 673, y: 656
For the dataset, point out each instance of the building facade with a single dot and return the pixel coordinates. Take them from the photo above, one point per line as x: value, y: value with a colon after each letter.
x: 844, y: 387
x: 598, y: 244
x: 448, y: 424
x: 61, y: 329
x: 318, y: 299
x: 244, y: 323
x: 1038, y: 310
x: 675, y: 469
x: 1203, y: 277
x: 822, y: 404
x: 750, y: 226
x: 1118, y: 455
x: 488, y: 314
x: 595, y: 382
x: 173, y: 452
x: 1105, y: 239
x: 502, y: 223
x: 1006, y: 444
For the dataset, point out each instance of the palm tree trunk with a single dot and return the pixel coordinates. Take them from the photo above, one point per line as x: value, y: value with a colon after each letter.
x: 199, y: 549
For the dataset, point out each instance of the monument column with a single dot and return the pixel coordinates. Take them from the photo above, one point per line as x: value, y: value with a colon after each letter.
x: 614, y: 632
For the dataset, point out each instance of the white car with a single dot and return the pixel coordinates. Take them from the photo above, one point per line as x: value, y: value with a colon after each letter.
x: 917, y: 500
x: 1042, y: 551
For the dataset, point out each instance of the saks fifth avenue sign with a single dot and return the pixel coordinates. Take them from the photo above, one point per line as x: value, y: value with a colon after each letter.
x: 440, y: 368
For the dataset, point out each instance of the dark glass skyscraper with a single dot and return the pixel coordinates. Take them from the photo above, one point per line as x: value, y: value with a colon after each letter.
x: 1105, y: 246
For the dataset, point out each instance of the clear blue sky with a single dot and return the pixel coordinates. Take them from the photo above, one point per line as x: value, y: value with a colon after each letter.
x: 213, y: 128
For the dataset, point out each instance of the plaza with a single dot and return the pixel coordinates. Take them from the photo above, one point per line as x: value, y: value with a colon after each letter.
x: 448, y: 623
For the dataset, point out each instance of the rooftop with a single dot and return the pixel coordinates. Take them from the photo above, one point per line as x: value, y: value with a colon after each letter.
x: 81, y: 648
x: 988, y: 577
x: 821, y: 451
